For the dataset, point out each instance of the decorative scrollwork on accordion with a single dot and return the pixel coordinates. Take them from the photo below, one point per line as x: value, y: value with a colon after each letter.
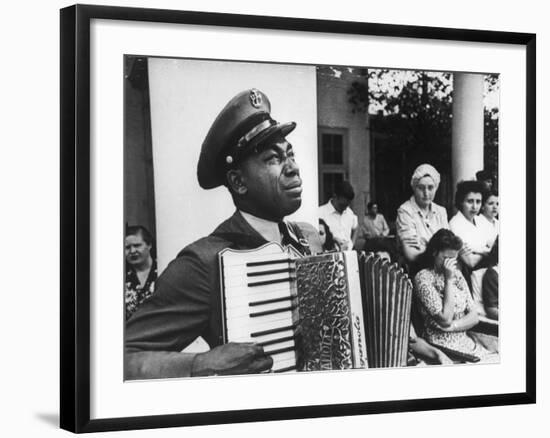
x: 325, y: 324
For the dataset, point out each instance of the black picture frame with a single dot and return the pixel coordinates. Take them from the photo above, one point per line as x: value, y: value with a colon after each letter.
x: 75, y: 216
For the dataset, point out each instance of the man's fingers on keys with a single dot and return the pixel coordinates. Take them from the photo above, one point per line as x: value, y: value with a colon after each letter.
x: 262, y: 364
x: 254, y: 349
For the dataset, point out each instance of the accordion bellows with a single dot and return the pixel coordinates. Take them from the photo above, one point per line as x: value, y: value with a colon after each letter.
x: 325, y: 312
x: 387, y: 292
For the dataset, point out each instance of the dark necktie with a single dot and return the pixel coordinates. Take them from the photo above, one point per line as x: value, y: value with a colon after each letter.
x: 290, y: 239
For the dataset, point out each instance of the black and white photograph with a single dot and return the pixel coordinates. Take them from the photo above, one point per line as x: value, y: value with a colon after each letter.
x: 275, y: 219
x: 286, y: 217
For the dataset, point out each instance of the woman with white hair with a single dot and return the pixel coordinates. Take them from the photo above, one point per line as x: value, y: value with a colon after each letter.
x: 419, y: 218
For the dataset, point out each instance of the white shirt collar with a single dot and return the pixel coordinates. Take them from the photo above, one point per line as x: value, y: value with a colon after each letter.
x: 465, y: 219
x: 267, y: 229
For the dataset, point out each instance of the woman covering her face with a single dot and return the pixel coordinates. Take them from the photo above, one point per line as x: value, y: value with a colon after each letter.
x: 419, y: 218
x: 446, y: 306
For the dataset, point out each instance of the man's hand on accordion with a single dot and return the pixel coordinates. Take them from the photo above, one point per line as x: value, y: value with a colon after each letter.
x: 232, y: 358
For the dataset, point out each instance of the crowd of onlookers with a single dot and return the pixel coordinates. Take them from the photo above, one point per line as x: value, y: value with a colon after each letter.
x: 454, y: 263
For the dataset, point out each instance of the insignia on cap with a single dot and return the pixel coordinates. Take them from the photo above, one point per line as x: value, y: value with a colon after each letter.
x: 255, y: 98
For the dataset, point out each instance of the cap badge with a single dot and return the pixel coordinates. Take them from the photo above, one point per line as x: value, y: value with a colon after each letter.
x: 255, y: 98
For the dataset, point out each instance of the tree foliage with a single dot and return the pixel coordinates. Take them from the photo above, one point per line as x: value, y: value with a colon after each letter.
x: 490, y: 132
x: 410, y: 116
x: 414, y: 108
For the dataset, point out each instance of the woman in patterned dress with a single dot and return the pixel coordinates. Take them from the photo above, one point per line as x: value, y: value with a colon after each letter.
x: 446, y: 304
x: 141, y: 269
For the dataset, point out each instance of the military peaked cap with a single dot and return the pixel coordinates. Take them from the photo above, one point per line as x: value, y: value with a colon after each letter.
x: 244, y: 123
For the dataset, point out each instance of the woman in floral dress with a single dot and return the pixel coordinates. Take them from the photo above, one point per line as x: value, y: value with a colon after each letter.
x: 446, y: 304
x: 141, y: 269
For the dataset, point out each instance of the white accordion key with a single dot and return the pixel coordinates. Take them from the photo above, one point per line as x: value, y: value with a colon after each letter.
x: 256, y: 328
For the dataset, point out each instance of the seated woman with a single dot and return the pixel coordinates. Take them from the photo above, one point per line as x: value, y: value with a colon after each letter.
x: 327, y: 239
x: 141, y: 268
x: 445, y: 303
x: 419, y: 217
x: 420, y: 351
x: 488, y: 218
x: 466, y: 224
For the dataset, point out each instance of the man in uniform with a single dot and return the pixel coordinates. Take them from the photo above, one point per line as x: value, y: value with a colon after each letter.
x: 247, y: 151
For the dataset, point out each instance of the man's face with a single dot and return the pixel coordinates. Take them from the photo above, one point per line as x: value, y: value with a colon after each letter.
x: 373, y: 210
x: 136, y: 250
x: 272, y: 181
x: 340, y: 203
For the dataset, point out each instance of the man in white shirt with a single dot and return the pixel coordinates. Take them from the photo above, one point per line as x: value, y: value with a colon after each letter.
x: 374, y: 224
x: 339, y: 217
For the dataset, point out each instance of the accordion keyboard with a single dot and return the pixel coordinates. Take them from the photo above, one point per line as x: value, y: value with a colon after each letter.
x: 259, y: 302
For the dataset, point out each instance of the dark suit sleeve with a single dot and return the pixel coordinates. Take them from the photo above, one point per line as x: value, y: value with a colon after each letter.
x: 489, y: 288
x: 179, y: 310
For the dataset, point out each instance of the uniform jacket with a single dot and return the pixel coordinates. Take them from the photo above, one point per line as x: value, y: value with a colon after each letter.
x: 186, y: 303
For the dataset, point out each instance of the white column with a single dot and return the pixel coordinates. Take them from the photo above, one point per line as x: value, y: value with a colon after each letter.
x: 467, y: 137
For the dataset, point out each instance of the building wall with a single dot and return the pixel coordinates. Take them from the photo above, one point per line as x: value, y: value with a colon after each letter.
x: 139, y: 199
x: 334, y: 111
x: 186, y: 96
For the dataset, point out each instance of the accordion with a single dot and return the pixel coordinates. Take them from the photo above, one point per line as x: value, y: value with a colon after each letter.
x: 330, y: 311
